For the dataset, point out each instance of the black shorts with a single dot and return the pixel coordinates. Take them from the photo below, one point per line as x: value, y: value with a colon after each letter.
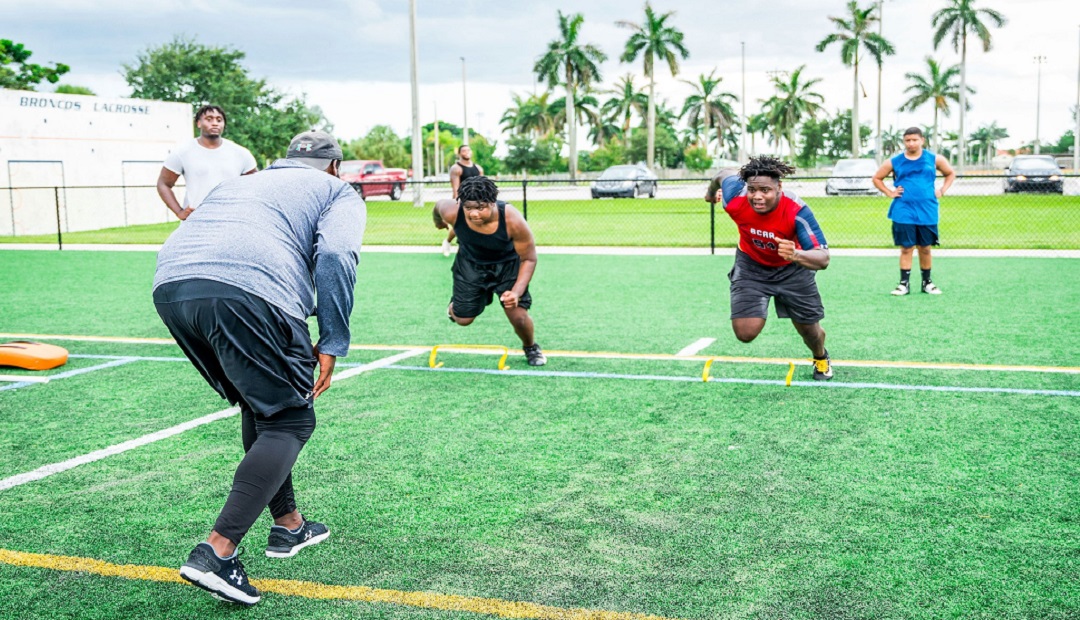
x: 246, y: 349
x: 911, y: 235
x: 793, y: 287
x: 476, y: 284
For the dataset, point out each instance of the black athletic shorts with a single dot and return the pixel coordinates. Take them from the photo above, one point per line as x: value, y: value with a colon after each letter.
x: 793, y: 287
x: 246, y: 349
x: 911, y: 235
x: 475, y: 285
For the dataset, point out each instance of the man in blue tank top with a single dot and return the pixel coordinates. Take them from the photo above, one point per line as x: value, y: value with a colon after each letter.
x: 496, y: 256
x: 914, y: 208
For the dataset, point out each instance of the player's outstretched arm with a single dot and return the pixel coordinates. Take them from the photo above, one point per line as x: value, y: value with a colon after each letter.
x: 525, y: 246
x: 444, y: 213
x: 712, y: 193
x: 879, y: 180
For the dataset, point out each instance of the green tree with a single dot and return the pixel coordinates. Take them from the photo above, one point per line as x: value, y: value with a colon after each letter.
x: 937, y: 87
x: 613, y: 153
x: 18, y: 73
x: 380, y: 143
x: 666, y: 146
x: 260, y: 117
x: 814, y: 135
x: 71, y: 89
x: 572, y: 65
x: 710, y: 106
x: 757, y: 124
x: 654, y: 39
x: 529, y: 155
x: 838, y: 132
x: 530, y: 116
x: 625, y: 100
x: 794, y: 101
x: 854, y: 33
x: 956, y: 20
x: 892, y: 140
x: 697, y: 158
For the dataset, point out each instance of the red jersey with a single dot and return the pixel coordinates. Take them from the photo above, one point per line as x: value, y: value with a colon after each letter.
x: 791, y: 219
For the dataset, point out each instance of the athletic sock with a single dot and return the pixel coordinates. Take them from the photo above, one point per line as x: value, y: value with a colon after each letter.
x: 905, y: 276
x: 925, y: 275
x: 225, y: 558
x: 297, y: 530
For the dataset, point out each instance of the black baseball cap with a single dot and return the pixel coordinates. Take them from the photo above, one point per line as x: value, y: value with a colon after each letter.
x: 314, y: 148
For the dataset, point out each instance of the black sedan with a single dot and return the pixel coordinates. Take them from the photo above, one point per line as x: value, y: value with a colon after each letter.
x: 1034, y: 173
x: 625, y: 182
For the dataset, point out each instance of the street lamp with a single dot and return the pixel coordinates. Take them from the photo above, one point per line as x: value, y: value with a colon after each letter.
x: 464, y: 106
x: 1039, y: 60
x: 417, y: 138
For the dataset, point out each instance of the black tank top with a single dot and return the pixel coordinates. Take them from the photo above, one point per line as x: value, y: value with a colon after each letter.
x: 469, y: 171
x: 481, y: 248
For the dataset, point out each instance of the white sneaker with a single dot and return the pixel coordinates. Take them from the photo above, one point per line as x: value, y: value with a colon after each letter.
x: 445, y: 247
x: 901, y: 289
x: 930, y: 289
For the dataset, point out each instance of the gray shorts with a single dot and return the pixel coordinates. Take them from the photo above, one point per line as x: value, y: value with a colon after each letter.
x: 793, y: 287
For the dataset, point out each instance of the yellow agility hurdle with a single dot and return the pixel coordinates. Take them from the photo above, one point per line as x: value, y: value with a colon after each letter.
x: 468, y: 347
x: 708, y: 365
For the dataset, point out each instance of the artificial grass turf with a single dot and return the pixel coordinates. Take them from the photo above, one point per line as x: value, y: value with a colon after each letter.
x: 994, y: 310
x: 683, y: 500
x: 1014, y: 221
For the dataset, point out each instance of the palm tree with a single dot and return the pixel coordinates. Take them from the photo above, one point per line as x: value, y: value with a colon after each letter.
x: 587, y: 110
x: 654, y: 39
x: 936, y: 86
x: 892, y: 140
x: 987, y: 137
x: 957, y: 19
x: 624, y: 101
x: 757, y: 124
x: 792, y: 102
x: 573, y: 65
x: 709, y: 104
x: 854, y: 35
x: 529, y: 116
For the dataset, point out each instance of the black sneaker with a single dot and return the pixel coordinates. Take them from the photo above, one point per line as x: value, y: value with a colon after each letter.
x: 284, y: 543
x: 223, y: 579
x: 535, y: 355
x: 823, y: 368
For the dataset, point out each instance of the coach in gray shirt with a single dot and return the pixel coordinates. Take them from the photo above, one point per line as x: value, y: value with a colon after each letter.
x: 235, y: 284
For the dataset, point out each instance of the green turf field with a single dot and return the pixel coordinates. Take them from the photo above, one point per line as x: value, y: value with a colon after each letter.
x: 994, y: 222
x: 622, y: 485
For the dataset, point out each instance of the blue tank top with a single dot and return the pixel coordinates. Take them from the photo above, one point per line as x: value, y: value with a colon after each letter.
x: 918, y: 204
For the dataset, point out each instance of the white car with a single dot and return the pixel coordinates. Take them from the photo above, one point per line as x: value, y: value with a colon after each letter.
x: 852, y: 176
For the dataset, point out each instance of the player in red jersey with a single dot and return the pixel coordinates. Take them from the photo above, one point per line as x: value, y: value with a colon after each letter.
x: 780, y: 248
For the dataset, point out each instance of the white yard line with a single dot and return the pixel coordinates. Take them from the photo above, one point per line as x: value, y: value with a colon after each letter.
x: 695, y: 347
x: 23, y: 379
x: 71, y: 373
x: 55, y: 468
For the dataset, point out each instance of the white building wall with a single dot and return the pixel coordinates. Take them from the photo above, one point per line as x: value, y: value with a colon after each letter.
x: 113, y: 146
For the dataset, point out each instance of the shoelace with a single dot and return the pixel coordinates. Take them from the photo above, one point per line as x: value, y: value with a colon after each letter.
x: 822, y: 365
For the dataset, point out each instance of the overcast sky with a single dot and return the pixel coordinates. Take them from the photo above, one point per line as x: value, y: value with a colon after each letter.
x: 352, y: 57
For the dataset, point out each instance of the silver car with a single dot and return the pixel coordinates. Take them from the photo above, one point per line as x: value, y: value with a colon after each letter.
x: 852, y: 176
x: 625, y: 182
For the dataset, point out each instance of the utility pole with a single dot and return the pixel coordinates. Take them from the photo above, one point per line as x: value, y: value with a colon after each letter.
x: 1039, y: 60
x: 879, y: 145
x: 464, y: 106
x: 437, y: 155
x: 417, y: 138
x: 742, y: 135
x: 1076, y: 130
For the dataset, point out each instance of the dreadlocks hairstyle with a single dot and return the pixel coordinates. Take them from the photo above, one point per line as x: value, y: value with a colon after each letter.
x: 765, y: 166
x: 478, y: 189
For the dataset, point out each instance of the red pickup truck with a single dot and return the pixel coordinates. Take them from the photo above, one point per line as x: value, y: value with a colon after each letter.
x: 370, y: 178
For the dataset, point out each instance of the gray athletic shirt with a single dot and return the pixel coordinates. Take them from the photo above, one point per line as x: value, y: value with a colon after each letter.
x: 289, y: 235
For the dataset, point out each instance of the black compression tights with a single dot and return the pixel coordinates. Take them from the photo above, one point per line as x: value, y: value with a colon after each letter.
x: 264, y: 476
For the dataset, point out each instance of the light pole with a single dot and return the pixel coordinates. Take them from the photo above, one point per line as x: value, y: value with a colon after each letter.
x: 1076, y: 130
x: 464, y: 106
x: 881, y: 32
x: 742, y: 135
x: 417, y: 138
x: 436, y: 159
x: 1039, y: 60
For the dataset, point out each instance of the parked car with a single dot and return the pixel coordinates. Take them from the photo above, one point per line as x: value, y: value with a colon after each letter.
x: 625, y: 182
x: 369, y: 178
x: 1034, y: 173
x: 852, y: 176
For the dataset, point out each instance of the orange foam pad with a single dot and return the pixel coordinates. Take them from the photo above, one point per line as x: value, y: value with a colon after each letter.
x: 32, y: 355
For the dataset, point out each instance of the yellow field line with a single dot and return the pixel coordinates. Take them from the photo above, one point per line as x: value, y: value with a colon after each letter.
x: 1074, y: 370
x: 307, y: 589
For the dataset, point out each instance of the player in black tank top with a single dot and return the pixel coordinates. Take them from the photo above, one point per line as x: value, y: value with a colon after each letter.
x: 496, y: 256
x: 463, y: 169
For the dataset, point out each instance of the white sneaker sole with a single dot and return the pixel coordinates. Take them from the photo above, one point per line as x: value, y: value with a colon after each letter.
x: 217, y: 587
x: 314, y: 540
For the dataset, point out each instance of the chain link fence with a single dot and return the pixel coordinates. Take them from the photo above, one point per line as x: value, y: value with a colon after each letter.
x: 976, y: 213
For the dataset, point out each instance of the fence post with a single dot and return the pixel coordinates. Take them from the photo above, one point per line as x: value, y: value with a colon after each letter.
x: 712, y: 227
x: 59, y: 235
x: 525, y: 199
